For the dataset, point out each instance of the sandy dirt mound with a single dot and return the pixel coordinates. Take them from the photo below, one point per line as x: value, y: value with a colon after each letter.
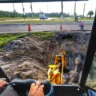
x: 27, y: 58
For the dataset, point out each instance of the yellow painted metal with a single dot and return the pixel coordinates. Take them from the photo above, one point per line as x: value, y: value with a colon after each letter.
x: 55, y: 76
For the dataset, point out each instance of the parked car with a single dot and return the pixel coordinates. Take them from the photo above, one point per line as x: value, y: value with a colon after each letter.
x: 43, y: 16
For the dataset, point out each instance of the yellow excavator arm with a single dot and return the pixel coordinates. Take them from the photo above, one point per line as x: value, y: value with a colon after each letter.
x: 56, y: 70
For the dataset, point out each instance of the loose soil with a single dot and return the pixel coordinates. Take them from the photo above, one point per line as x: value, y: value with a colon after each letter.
x: 29, y: 57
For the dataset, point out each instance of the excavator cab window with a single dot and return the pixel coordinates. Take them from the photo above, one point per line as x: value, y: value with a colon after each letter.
x: 59, y: 67
x: 90, y: 82
x: 88, y: 76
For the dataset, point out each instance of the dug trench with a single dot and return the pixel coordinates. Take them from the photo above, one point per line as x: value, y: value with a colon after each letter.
x: 29, y: 57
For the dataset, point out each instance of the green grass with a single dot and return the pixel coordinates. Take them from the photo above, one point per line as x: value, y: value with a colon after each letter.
x: 13, y: 18
x: 6, y: 18
x: 43, y: 35
x: 5, y: 38
x: 87, y: 19
x: 30, y: 20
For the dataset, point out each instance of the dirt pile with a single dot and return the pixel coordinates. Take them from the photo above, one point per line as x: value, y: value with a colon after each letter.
x: 75, y: 44
x: 29, y: 57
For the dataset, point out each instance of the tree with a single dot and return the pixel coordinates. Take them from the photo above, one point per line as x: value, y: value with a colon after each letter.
x: 16, y: 14
x: 90, y: 13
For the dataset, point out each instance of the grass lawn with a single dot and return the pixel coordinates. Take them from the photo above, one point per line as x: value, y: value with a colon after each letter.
x: 37, y: 21
x: 86, y: 19
x: 43, y: 35
x: 5, y: 38
x: 34, y: 20
x: 31, y: 21
x: 13, y: 18
x: 8, y: 18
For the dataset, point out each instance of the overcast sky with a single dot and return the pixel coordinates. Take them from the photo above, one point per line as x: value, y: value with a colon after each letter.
x: 51, y: 7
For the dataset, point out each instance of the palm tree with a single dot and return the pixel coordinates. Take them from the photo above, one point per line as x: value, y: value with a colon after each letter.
x: 90, y: 13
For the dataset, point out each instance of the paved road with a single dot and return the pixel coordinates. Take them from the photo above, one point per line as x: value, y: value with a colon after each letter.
x: 11, y: 28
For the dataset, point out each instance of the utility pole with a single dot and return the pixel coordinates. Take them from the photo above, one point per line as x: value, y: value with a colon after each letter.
x: 84, y: 10
x: 13, y: 9
x: 62, y: 16
x: 31, y: 9
x: 23, y: 11
x: 47, y: 10
x: 75, y: 11
x: 62, y: 9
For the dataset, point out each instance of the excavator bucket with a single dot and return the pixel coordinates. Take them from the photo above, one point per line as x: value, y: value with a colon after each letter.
x: 56, y: 71
x: 54, y: 75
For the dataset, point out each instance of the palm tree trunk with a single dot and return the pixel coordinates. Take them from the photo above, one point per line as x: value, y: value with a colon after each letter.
x: 90, y: 15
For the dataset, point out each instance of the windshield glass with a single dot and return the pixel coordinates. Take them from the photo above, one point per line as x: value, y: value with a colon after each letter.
x: 39, y: 41
x: 91, y: 79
